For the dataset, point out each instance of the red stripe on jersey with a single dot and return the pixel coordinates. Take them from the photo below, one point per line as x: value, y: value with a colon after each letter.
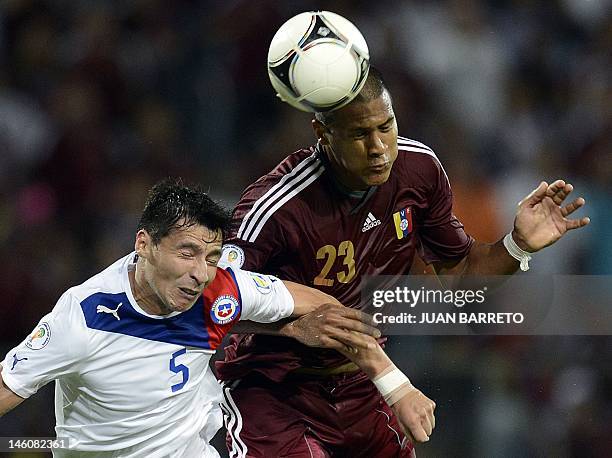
x: 222, y: 307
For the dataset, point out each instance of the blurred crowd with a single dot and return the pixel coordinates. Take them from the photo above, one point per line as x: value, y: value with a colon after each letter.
x: 98, y: 100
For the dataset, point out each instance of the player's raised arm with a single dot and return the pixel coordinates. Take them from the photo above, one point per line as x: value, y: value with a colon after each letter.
x: 541, y: 220
x: 8, y: 399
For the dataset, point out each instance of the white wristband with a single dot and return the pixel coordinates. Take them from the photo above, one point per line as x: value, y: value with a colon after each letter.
x: 390, y: 382
x: 516, y: 252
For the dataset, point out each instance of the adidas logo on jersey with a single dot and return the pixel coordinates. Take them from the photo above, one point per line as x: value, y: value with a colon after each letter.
x: 370, y: 222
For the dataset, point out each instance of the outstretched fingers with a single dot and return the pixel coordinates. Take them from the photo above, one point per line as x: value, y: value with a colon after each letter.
x: 577, y: 223
x: 559, y: 190
x: 555, y: 187
x: 535, y: 196
x: 572, y: 207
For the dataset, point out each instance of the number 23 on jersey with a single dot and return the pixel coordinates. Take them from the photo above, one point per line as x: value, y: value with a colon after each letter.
x: 345, y: 257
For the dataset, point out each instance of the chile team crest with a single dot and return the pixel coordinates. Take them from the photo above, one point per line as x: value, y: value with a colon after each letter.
x: 224, y: 309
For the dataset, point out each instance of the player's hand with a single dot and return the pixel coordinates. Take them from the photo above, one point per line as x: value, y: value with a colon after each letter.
x: 337, y: 327
x: 415, y: 414
x: 541, y: 219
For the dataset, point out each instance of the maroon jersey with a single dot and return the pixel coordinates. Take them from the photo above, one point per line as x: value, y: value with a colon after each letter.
x: 299, y: 224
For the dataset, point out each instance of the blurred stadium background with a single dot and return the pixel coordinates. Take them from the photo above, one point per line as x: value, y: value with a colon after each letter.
x: 98, y: 100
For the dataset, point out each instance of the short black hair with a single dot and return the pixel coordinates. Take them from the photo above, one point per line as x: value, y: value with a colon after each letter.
x: 372, y: 89
x: 171, y: 204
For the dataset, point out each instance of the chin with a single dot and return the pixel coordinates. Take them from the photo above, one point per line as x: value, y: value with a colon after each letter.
x: 378, y: 180
x: 179, y: 307
x: 184, y: 307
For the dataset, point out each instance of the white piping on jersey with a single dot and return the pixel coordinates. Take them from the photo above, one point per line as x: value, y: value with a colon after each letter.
x: 289, y: 186
x: 281, y: 202
x: 255, y: 209
x: 292, y: 184
x: 408, y: 141
x: 238, y: 445
x: 405, y: 144
x: 228, y: 421
x: 309, y: 449
x: 399, y: 441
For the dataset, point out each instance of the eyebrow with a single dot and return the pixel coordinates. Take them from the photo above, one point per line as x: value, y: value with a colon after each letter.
x: 388, y: 121
x: 191, y: 246
x: 215, y: 252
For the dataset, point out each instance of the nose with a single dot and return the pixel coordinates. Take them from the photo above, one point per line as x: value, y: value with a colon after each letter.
x: 375, y: 145
x: 200, y: 272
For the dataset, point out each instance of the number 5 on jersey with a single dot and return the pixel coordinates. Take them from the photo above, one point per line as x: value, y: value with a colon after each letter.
x: 179, y: 369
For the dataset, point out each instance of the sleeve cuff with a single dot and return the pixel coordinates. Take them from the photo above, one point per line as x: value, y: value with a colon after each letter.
x: 12, y: 384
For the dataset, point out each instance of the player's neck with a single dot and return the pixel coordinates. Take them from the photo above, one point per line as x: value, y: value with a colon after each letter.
x: 346, y: 190
x: 144, y: 295
x: 340, y: 180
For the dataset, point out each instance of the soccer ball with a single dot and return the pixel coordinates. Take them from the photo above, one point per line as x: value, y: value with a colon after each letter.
x: 318, y: 61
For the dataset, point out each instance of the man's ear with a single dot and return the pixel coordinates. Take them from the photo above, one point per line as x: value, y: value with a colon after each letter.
x: 321, y: 131
x: 143, y: 243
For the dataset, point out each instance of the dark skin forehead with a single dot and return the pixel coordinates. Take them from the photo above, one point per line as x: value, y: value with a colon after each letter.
x: 368, y: 114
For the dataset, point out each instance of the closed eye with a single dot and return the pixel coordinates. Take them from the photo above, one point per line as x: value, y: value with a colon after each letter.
x: 387, y: 125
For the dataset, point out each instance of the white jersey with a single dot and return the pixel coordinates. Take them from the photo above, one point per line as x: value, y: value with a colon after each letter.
x: 131, y: 384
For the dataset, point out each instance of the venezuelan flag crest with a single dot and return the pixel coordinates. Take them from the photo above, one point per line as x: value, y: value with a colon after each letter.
x: 403, y: 222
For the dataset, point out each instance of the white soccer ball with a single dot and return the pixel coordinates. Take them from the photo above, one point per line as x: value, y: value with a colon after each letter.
x: 318, y: 61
